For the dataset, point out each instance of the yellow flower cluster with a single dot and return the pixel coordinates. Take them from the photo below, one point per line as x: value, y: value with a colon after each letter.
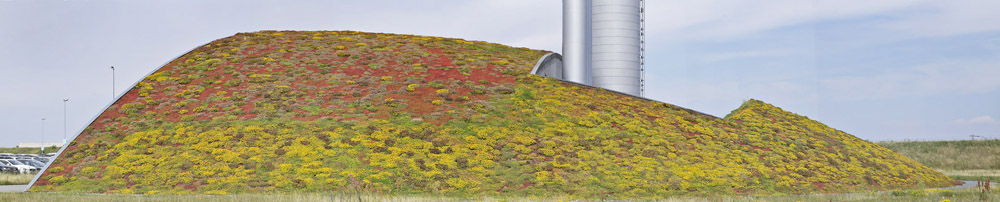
x: 442, y: 92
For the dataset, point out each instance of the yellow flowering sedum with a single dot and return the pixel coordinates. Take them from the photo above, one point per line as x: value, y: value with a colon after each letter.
x: 333, y: 123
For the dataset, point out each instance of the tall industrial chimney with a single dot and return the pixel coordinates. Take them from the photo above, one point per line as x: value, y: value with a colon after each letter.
x: 616, y: 44
x: 577, y: 41
x: 603, y: 45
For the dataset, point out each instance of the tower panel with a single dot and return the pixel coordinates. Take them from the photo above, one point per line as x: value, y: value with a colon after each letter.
x: 615, y: 43
x: 577, y: 41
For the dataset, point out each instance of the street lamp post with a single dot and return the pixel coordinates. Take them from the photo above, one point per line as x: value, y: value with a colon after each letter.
x: 64, y: 121
x: 43, y: 135
x: 112, y: 83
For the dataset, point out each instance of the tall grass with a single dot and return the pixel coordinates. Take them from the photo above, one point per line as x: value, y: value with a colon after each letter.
x: 13, y: 179
x: 985, y: 173
x: 951, y: 155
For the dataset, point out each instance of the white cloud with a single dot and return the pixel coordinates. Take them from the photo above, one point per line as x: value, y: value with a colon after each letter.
x: 994, y: 43
x: 719, y: 19
x: 924, y: 80
x: 984, y: 119
x: 744, y: 54
x: 522, y: 23
x: 947, y: 18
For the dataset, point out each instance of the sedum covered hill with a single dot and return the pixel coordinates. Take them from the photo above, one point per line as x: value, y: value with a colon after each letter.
x: 333, y: 111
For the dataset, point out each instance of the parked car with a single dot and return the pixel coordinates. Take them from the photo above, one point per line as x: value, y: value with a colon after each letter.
x: 43, y: 159
x: 21, y: 168
x: 9, y: 169
x: 32, y: 162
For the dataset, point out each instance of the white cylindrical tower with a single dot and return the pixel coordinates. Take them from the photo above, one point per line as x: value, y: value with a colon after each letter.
x: 616, y: 45
x: 577, y: 41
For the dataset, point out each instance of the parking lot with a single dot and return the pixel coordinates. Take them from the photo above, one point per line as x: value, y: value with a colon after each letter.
x: 25, y: 164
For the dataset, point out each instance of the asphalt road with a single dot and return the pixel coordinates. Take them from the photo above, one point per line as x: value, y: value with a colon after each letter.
x: 967, y: 185
x: 13, y: 188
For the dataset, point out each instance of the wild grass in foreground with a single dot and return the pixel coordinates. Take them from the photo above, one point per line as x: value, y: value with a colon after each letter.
x: 14, y: 179
x: 968, y: 194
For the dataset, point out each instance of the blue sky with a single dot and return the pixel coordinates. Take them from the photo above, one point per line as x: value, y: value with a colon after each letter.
x: 884, y: 70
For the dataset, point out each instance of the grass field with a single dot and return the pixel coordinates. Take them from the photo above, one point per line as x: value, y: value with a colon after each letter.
x: 970, y: 194
x: 11, y: 179
x: 951, y: 155
x: 961, y: 160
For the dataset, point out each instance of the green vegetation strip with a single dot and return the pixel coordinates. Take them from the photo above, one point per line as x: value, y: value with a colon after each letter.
x: 27, y: 150
x: 972, y: 175
x: 975, y: 178
x: 951, y: 155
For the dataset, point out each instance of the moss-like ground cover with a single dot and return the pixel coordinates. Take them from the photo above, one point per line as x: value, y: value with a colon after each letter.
x: 277, y: 112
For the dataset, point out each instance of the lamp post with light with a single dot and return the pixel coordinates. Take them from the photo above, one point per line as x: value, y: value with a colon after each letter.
x: 43, y: 135
x: 64, y: 121
x: 112, y: 83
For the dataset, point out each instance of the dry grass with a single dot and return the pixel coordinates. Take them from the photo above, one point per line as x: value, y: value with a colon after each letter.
x: 987, y: 173
x: 13, y: 179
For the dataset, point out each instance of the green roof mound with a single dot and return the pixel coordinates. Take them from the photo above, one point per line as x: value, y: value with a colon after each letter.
x: 322, y: 111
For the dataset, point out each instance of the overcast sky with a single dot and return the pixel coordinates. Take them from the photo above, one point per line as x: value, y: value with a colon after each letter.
x: 880, y: 70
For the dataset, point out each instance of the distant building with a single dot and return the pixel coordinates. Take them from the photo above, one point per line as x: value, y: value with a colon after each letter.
x: 39, y: 144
